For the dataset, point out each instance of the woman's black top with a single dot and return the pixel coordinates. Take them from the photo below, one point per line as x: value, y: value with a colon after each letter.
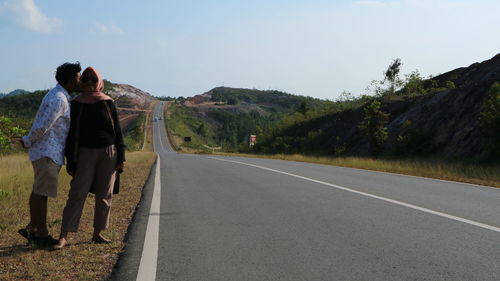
x: 95, y: 129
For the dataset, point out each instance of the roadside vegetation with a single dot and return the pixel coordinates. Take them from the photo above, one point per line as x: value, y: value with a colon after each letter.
x: 133, y: 133
x: 486, y: 174
x: 394, y: 127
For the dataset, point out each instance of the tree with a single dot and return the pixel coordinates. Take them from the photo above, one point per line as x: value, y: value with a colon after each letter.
x: 201, y: 130
x: 304, y: 107
x: 345, y: 96
x: 414, y: 84
x: 373, y: 126
x: 490, y: 121
x: 233, y: 101
x: 392, y: 75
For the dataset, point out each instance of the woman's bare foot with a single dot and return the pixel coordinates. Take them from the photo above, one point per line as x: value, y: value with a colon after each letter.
x: 60, y: 244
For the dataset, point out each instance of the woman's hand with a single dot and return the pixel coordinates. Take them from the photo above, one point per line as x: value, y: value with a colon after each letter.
x: 120, y: 167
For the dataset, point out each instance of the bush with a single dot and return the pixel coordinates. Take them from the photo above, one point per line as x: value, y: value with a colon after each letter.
x: 9, y: 132
x: 373, y: 126
x: 414, y: 141
x: 490, y: 121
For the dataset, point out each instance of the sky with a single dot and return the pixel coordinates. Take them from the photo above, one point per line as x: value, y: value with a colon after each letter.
x: 314, y: 48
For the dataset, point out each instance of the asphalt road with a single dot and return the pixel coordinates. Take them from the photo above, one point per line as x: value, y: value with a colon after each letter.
x: 228, y: 218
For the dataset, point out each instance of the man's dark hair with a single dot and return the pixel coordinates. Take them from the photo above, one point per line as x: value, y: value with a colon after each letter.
x: 67, y: 72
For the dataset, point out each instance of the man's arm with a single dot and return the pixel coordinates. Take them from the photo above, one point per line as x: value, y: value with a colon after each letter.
x: 47, y: 115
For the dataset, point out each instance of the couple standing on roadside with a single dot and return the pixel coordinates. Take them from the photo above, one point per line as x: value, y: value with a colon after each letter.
x: 87, y: 131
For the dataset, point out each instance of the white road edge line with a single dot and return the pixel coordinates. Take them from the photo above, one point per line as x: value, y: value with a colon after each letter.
x: 149, y: 256
x: 425, y: 210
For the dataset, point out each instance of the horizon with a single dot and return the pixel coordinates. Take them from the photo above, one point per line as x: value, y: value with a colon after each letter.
x: 311, y: 48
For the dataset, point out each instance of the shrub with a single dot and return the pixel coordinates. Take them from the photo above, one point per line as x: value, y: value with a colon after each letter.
x: 8, y: 132
x: 373, y: 126
x: 490, y: 121
x: 414, y: 141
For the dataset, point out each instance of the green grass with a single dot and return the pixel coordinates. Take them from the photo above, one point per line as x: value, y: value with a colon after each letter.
x: 488, y: 175
x: 133, y: 134
x: 180, y: 123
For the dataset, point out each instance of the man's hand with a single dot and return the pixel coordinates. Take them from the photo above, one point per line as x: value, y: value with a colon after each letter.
x: 22, y: 143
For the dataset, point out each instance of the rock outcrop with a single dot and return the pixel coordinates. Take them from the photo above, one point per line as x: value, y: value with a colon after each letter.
x: 130, y: 97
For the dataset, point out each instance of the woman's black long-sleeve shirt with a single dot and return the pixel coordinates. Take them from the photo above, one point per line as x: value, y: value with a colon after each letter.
x: 95, y: 129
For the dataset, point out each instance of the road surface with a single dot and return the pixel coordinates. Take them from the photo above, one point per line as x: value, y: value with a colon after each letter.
x: 229, y: 218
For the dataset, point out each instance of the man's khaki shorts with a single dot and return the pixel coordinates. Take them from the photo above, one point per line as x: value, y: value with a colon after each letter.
x: 46, y: 175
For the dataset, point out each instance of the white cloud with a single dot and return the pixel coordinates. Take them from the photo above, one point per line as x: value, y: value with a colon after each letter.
x: 108, y: 28
x: 26, y: 14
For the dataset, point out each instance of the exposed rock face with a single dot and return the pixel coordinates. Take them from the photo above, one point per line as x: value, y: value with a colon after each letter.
x: 452, y: 116
x: 450, y: 119
x: 129, y: 96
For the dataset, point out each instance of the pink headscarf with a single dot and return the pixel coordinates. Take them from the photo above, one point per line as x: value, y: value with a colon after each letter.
x: 94, y: 93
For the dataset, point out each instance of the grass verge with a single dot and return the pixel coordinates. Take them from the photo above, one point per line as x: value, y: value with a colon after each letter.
x: 488, y: 175
x: 81, y: 260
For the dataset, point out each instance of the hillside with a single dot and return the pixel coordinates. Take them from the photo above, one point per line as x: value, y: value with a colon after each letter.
x: 127, y: 96
x: 439, y: 118
x: 226, y: 117
x: 444, y: 123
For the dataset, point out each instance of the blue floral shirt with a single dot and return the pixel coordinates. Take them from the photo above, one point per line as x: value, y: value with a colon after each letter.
x: 48, y: 133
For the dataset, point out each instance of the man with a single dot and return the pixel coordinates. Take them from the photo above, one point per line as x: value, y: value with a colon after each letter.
x: 46, y: 141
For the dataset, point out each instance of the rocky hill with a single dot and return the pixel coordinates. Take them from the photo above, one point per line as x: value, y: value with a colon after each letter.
x: 444, y: 123
x: 128, y: 96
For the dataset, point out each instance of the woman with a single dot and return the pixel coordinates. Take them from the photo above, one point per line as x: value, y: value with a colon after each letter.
x: 94, y: 152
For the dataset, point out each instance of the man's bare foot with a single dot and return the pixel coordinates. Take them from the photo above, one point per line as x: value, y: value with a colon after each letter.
x: 100, y: 239
x: 60, y: 244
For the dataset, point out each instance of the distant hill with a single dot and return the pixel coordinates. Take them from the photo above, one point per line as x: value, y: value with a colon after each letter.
x: 24, y: 105
x: 21, y: 103
x: 227, y: 116
x: 14, y: 93
x: 246, y: 100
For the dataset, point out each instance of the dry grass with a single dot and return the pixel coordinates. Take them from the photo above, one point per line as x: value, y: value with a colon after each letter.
x: 468, y: 173
x: 81, y: 260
